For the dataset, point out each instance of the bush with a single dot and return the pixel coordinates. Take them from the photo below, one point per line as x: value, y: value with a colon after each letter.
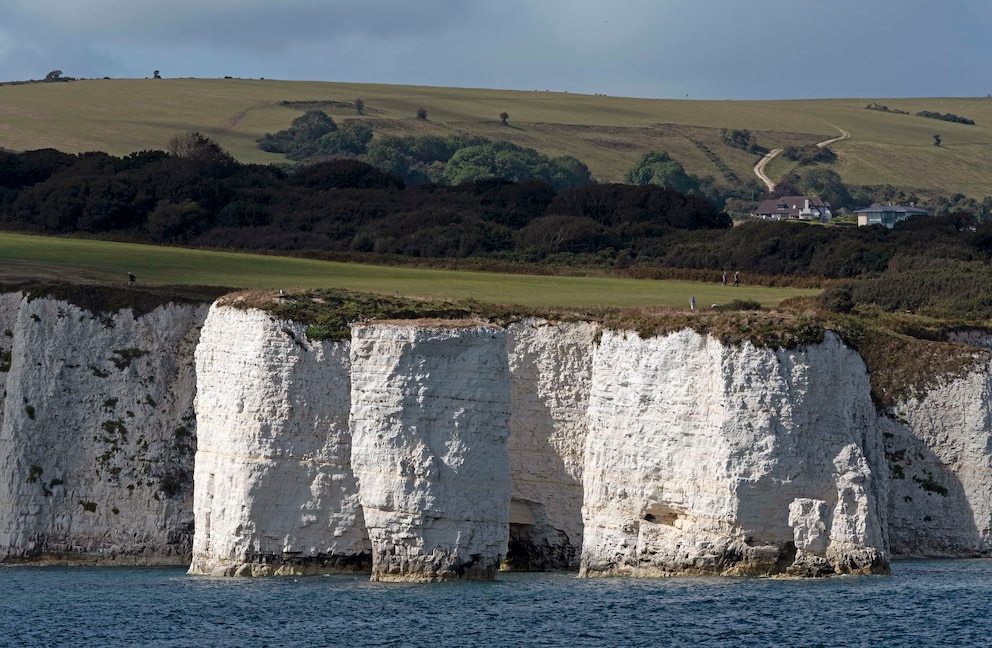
x: 837, y: 298
x: 741, y: 138
x: 741, y: 305
x: 807, y: 155
x: 948, y: 117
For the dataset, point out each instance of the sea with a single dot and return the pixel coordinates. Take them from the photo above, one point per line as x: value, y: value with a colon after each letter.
x: 922, y: 603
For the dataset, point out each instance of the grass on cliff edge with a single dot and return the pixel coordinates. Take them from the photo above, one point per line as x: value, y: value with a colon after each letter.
x: 904, y: 353
x: 31, y: 258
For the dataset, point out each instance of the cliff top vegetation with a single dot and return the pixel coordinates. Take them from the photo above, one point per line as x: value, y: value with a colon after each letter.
x: 108, y: 300
x: 904, y: 354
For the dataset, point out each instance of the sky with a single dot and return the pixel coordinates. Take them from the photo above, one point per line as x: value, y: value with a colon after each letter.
x: 676, y: 49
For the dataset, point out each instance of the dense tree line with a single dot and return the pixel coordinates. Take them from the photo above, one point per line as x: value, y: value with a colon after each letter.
x: 315, y: 136
x: 197, y: 195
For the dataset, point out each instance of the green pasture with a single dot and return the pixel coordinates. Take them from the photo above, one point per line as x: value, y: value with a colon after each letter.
x: 609, y: 134
x: 88, y: 261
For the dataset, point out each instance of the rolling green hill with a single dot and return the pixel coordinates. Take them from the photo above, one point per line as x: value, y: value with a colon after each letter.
x: 609, y: 134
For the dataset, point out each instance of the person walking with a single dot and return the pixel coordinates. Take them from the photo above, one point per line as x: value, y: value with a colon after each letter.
x: 724, y: 278
x: 737, y: 279
x: 692, y: 302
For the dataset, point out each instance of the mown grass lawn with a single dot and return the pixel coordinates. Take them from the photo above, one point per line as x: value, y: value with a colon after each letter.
x: 103, y: 262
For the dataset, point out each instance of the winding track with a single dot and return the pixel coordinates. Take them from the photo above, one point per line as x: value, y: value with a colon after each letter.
x: 759, y: 168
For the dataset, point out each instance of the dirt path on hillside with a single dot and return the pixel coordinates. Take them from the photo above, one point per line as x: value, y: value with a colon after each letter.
x: 759, y: 168
x: 843, y: 136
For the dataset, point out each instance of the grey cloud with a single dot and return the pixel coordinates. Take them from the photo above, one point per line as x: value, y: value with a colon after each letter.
x: 669, y: 48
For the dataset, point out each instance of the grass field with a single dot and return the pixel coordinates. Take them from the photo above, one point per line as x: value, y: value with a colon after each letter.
x: 87, y: 261
x: 609, y: 134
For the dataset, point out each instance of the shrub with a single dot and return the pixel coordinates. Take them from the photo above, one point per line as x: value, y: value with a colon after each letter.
x: 807, y: 155
x: 837, y: 298
x: 741, y: 305
x: 34, y: 472
x: 948, y: 117
x: 740, y: 138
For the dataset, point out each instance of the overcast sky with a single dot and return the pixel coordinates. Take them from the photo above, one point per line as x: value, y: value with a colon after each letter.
x: 703, y: 49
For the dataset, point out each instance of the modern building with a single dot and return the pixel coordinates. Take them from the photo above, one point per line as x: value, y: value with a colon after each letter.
x: 887, y: 215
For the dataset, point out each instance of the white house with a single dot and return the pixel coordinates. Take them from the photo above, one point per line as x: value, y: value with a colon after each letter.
x: 799, y: 207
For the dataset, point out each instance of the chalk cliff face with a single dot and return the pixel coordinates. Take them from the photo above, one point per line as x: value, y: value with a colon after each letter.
x: 430, y: 418
x: 275, y: 491
x: 97, y: 432
x: 703, y: 458
x: 940, y: 454
x: 437, y: 450
x: 550, y: 377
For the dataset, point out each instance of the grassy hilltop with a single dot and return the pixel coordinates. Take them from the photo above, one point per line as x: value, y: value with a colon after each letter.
x: 609, y: 134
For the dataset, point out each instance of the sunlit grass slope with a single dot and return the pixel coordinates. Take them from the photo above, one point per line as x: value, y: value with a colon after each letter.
x: 609, y: 134
x: 105, y: 262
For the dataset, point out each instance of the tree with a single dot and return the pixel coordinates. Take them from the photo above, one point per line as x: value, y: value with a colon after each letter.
x: 193, y: 145
x: 169, y: 220
x: 351, y: 139
x: 826, y: 184
x: 359, y: 106
x: 566, y: 172
x: 503, y: 116
x: 54, y: 75
x: 156, y: 75
x: 494, y: 160
x: 422, y: 113
x: 739, y: 138
x: 388, y: 158
x: 312, y: 125
x: 658, y: 168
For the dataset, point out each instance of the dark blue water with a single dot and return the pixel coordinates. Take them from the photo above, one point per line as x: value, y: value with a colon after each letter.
x: 923, y: 603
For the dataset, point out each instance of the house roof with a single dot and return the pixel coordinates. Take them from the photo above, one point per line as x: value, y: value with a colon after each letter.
x: 789, y: 205
x: 910, y: 210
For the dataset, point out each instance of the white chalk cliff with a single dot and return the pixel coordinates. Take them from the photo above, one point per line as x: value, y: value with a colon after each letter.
x: 425, y: 450
x: 97, y: 432
x: 430, y: 418
x: 275, y: 491
x: 550, y: 379
x: 704, y: 458
x: 939, y: 450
